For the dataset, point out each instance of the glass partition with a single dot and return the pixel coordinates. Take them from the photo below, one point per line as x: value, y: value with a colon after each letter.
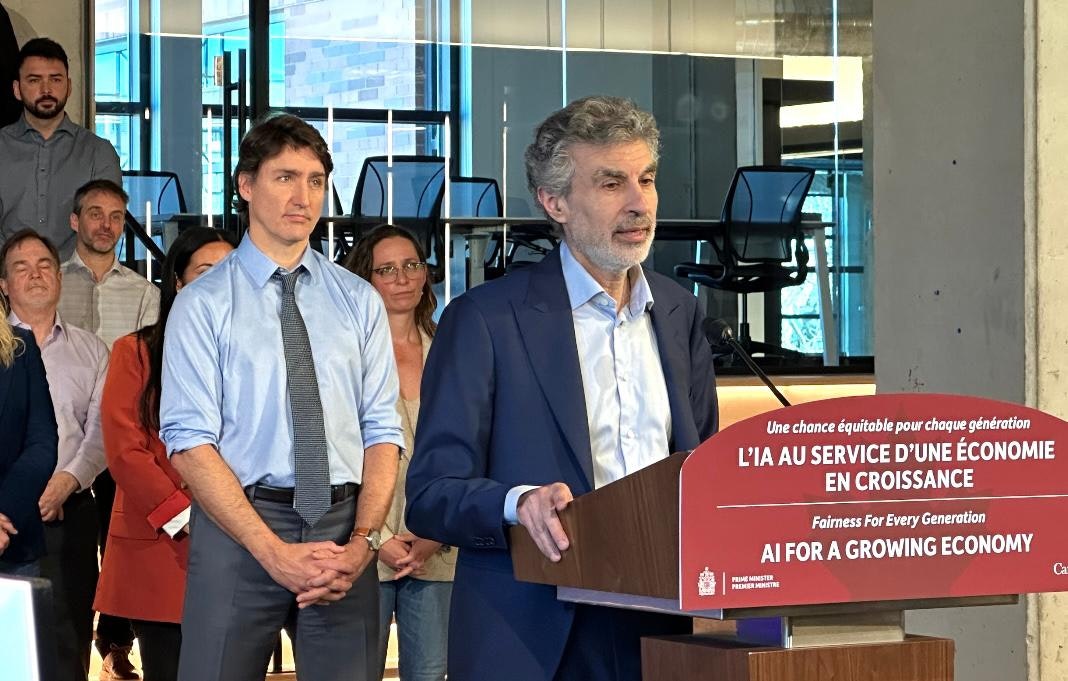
x: 731, y: 83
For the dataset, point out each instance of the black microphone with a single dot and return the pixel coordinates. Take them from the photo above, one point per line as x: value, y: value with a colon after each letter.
x: 719, y: 335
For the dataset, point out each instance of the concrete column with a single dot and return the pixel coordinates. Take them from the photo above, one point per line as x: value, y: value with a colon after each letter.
x: 949, y: 239
x: 1047, y: 290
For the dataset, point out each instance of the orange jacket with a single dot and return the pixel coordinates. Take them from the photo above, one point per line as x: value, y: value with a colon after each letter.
x: 143, y: 571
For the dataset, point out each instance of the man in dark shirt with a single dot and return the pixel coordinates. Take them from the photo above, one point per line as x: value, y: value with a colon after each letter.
x: 46, y: 156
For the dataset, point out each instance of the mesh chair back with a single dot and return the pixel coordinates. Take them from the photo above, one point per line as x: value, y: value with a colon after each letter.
x: 327, y: 196
x: 473, y: 197
x: 763, y: 211
x: 160, y: 189
x: 417, y: 184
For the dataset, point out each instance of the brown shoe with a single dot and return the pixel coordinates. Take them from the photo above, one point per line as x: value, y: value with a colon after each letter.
x: 117, y: 666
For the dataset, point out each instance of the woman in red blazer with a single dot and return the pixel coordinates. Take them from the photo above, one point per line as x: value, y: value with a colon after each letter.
x: 143, y: 572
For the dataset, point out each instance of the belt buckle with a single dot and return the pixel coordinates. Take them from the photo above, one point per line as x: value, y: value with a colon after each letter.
x: 342, y: 492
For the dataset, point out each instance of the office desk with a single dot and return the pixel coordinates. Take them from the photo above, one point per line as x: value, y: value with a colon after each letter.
x: 470, y: 236
x: 473, y: 233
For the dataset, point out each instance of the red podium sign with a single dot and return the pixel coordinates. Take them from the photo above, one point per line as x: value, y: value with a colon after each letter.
x: 886, y: 497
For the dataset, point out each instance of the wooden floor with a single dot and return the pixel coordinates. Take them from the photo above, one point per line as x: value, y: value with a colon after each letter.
x: 287, y: 660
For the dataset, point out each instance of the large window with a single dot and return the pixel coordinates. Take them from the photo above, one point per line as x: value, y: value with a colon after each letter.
x: 117, y: 80
x: 342, y: 64
x: 847, y: 249
x: 338, y: 64
x: 730, y: 84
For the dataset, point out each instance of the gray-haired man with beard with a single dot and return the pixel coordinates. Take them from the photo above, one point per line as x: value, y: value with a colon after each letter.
x: 549, y: 383
x: 46, y: 156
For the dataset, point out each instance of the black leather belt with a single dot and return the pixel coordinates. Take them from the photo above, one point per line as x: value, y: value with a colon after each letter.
x: 284, y: 495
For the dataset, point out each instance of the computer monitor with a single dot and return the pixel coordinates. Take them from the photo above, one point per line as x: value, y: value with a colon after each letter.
x: 27, y: 639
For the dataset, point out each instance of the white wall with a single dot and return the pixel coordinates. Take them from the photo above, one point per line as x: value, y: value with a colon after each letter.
x: 707, y: 27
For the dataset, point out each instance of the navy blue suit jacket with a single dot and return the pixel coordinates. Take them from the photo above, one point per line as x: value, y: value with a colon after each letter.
x: 28, y: 443
x: 503, y: 405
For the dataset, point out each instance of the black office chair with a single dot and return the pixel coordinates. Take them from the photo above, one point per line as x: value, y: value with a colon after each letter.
x: 476, y: 197
x: 162, y: 191
x: 418, y: 182
x: 341, y: 243
x: 759, y: 236
x: 473, y: 197
x: 159, y: 188
x: 338, y: 209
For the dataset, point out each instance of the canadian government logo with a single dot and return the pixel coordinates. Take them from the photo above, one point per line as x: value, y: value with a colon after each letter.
x: 706, y: 583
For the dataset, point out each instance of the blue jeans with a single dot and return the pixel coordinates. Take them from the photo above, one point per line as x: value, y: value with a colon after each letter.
x: 421, y: 609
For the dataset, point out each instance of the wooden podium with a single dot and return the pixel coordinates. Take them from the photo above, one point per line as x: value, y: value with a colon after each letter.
x: 625, y: 553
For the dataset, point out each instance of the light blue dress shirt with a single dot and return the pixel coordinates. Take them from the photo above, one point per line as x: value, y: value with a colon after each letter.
x: 627, y: 408
x: 224, y: 372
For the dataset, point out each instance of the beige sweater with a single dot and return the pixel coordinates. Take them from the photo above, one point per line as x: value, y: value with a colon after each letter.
x: 441, y: 566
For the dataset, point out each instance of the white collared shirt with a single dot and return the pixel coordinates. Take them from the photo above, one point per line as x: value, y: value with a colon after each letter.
x: 627, y: 407
x: 76, y: 362
x: 120, y: 303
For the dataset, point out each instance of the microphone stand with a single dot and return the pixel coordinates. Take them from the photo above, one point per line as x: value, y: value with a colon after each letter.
x: 740, y: 352
x: 719, y: 330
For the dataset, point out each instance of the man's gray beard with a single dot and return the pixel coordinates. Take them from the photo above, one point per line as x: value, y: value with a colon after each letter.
x: 602, y: 256
x: 610, y: 261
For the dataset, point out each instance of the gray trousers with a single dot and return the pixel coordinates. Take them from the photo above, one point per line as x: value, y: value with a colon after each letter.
x: 234, y: 610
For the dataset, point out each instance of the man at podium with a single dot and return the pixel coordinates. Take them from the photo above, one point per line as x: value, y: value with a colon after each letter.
x: 551, y: 382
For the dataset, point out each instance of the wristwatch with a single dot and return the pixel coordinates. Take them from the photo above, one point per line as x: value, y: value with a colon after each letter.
x: 373, y: 537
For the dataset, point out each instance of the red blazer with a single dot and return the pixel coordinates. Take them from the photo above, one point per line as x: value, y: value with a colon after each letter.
x: 143, y: 571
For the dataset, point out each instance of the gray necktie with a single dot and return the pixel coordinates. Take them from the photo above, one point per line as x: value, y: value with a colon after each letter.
x: 311, y: 498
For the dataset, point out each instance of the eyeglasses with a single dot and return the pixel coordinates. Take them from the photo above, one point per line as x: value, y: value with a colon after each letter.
x: 389, y: 273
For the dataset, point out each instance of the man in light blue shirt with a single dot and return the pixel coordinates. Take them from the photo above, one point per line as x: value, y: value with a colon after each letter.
x: 282, y: 422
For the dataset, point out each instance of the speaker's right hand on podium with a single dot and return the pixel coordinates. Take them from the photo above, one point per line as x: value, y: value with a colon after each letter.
x: 537, y: 511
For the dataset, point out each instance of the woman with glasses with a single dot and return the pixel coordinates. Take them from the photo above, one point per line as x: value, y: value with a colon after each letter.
x: 415, y: 574
x: 143, y: 572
